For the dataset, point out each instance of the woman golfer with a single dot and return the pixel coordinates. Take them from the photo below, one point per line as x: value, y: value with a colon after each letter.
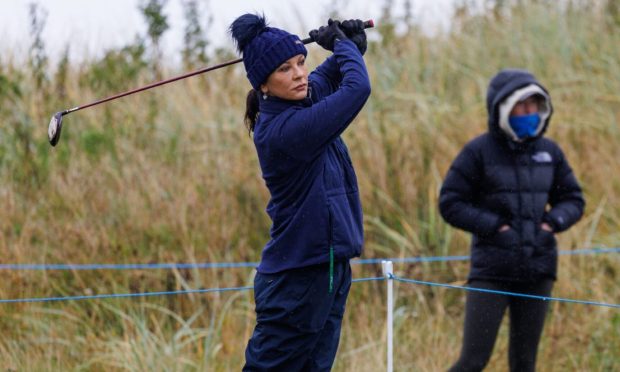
x: 303, y: 279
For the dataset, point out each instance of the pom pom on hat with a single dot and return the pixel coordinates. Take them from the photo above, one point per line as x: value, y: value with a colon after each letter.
x: 263, y: 48
x: 245, y: 28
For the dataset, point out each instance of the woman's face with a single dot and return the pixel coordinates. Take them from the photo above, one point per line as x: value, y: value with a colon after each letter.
x: 527, y: 107
x: 289, y: 81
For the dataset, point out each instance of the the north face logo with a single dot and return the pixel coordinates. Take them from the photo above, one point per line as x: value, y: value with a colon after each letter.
x: 542, y: 157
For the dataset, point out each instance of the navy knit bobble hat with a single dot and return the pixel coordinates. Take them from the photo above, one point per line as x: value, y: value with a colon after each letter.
x: 263, y: 48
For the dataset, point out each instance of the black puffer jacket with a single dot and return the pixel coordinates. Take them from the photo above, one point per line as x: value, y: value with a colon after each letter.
x: 496, y: 180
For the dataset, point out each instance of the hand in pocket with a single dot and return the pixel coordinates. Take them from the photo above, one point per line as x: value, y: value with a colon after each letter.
x: 506, y: 237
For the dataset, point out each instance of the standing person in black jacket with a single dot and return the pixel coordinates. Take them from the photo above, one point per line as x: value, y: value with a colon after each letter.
x: 513, y: 190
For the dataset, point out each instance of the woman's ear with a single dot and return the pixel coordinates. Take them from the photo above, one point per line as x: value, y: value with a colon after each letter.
x: 263, y: 89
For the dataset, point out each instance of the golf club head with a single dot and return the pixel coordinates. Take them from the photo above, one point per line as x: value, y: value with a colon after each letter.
x: 53, y: 131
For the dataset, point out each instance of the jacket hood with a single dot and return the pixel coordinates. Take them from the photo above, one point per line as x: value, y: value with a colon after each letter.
x: 507, y: 88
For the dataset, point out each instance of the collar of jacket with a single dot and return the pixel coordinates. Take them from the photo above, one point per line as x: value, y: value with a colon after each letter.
x: 512, y: 145
x: 274, y: 105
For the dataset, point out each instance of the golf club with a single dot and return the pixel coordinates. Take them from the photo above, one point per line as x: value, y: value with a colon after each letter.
x: 55, y: 126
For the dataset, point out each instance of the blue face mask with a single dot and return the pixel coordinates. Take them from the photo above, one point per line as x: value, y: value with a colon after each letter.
x: 524, y: 125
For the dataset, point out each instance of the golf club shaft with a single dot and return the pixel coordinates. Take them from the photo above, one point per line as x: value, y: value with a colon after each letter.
x: 367, y: 24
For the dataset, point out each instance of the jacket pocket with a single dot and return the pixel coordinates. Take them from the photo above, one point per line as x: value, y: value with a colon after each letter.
x: 505, y: 239
x: 544, y: 262
x: 545, y: 239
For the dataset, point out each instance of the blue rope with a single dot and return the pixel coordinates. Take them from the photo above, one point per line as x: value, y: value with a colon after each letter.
x: 209, y: 290
x: 544, y: 298
x: 465, y: 258
x: 146, y: 294
x: 410, y: 259
x: 228, y: 265
x: 591, y: 250
x: 215, y: 265
x: 123, y: 295
x: 368, y: 279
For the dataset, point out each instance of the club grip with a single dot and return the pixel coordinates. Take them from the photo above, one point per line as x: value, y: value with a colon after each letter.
x: 367, y: 24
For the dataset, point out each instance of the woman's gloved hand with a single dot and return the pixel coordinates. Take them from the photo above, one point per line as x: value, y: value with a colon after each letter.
x: 326, y: 36
x: 355, y: 31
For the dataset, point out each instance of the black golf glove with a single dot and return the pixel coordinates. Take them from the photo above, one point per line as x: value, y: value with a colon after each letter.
x: 326, y: 36
x: 354, y: 29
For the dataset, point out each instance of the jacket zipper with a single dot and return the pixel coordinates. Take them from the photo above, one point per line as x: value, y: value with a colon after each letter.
x: 331, y: 250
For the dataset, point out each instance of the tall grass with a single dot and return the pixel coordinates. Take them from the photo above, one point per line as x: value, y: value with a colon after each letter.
x: 129, y: 184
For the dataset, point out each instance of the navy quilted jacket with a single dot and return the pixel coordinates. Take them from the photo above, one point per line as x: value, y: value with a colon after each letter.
x: 315, y: 203
x: 496, y: 181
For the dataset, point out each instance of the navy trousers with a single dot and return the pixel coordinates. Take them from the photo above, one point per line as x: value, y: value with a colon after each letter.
x: 298, y: 320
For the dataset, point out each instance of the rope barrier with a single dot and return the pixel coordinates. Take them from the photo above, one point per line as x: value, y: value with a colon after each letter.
x: 123, y: 295
x: 360, y: 280
x: 544, y: 298
x: 411, y: 259
x: 252, y: 264
x: 215, y: 265
x: 146, y: 294
x: 229, y: 265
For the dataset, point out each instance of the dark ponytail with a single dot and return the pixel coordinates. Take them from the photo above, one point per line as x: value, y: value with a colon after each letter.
x: 251, y: 110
